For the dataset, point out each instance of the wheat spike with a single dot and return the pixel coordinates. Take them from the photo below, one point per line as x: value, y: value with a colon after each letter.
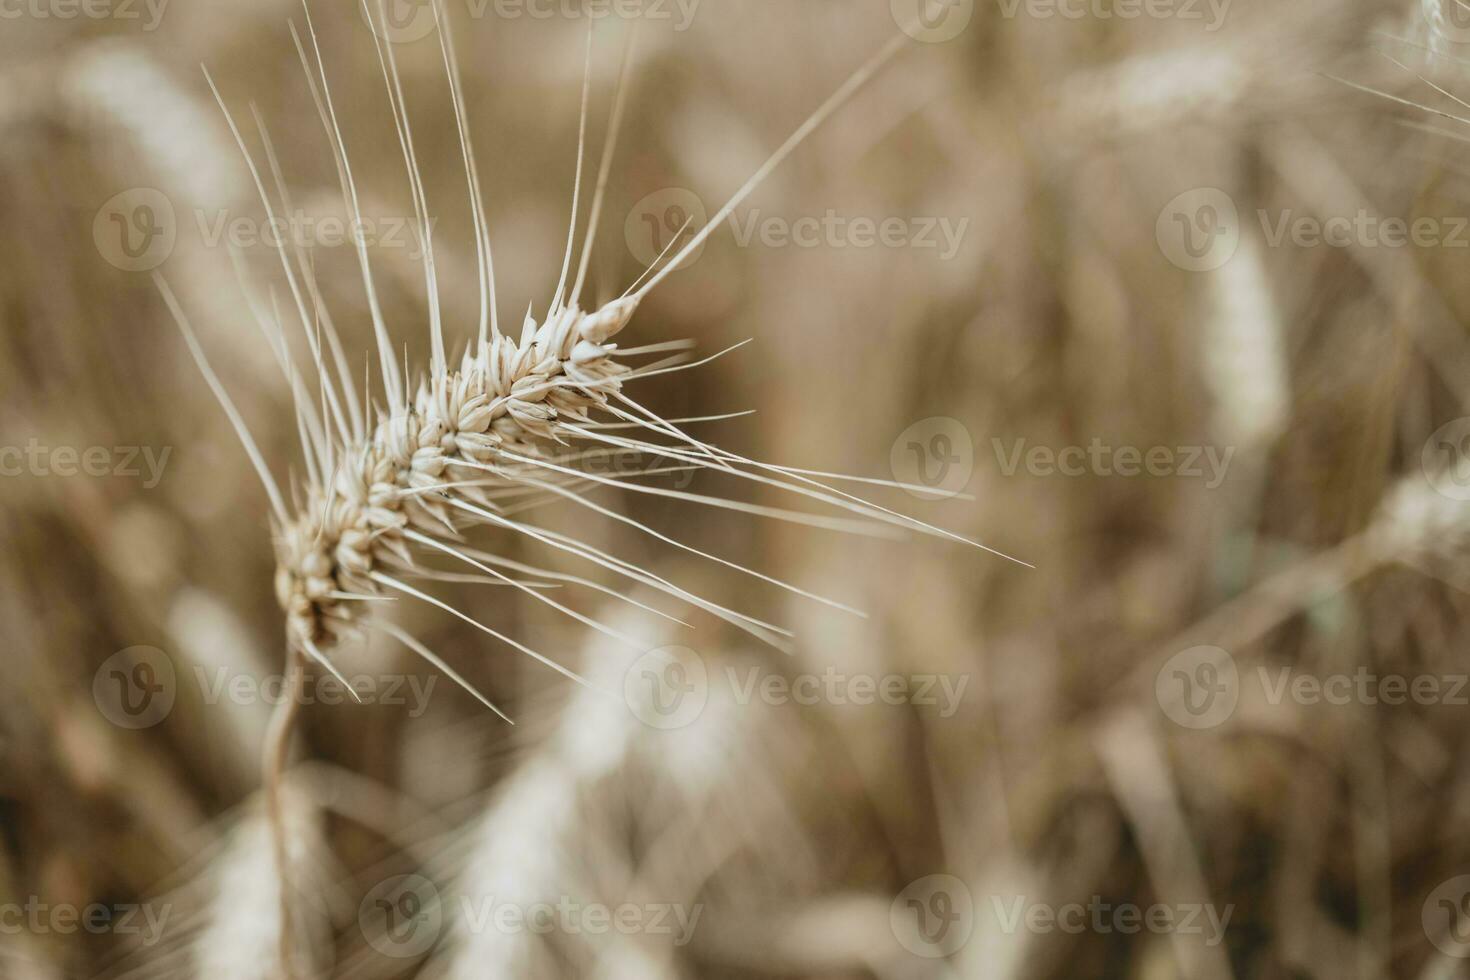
x: 478, y: 438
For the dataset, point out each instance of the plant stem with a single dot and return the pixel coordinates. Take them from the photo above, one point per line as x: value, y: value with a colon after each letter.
x: 277, y: 747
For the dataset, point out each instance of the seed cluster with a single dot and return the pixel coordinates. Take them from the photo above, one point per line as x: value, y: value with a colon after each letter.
x: 506, y: 397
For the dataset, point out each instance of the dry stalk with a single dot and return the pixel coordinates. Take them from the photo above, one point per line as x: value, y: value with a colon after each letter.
x: 277, y: 749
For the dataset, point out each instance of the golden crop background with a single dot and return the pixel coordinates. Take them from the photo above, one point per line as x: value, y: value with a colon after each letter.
x: 1064, y: 152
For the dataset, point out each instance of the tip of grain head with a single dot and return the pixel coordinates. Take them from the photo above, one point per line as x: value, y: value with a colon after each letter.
x: 609, y: 320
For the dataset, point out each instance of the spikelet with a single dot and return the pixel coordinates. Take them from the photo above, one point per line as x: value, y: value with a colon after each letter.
x: 506, y: 402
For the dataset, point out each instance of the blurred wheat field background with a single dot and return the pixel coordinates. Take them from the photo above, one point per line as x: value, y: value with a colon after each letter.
x: 1165, y: 299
